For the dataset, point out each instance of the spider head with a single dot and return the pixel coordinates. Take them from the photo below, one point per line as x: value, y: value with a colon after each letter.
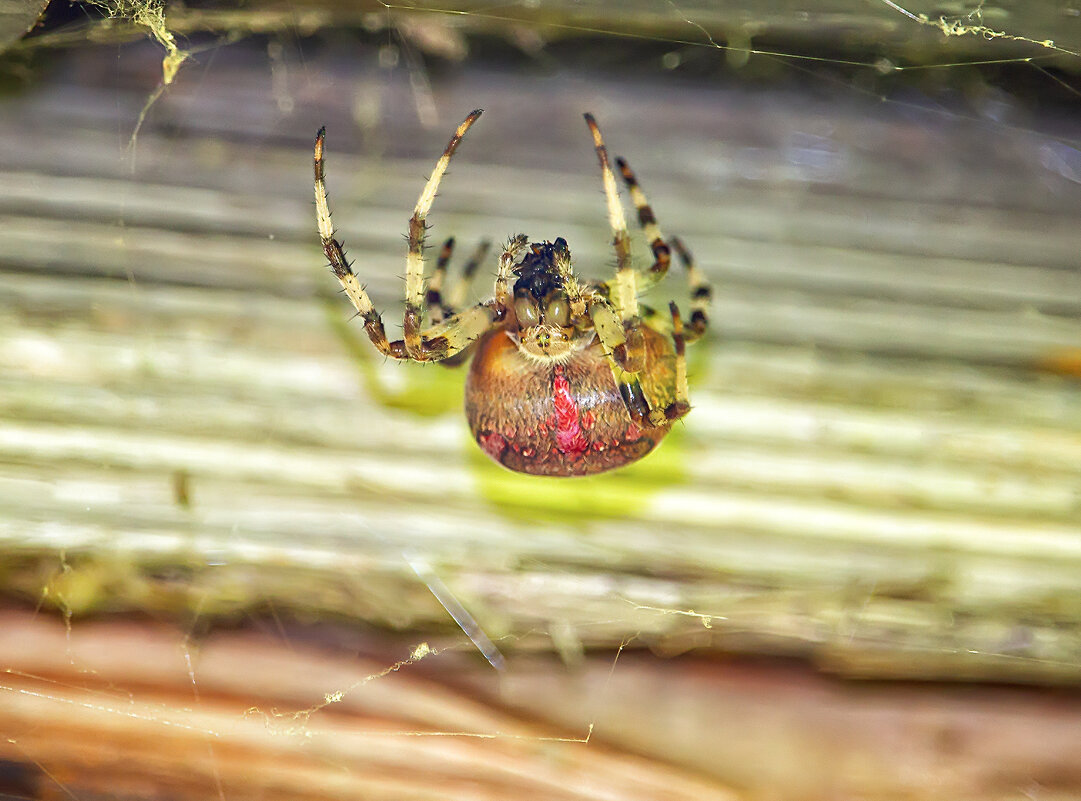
x: 542, y: 310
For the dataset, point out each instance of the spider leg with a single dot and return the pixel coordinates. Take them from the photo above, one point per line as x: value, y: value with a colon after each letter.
x: 701, y: 293
x: 637, y: 403
x: 373, y: 324
x: 638, y: 407
x: 613, y: 338
x: 415, y: 345
x: 681, y: 405
x: 459, y: 331
x: 433, y: 298
x: 632, y: 358
x: 440, y: 308
x: 456, y: 297
x: 662, y: 256
x: 701, y: 297
x: 441, y: 341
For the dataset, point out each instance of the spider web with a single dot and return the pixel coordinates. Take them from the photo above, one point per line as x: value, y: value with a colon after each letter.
x: 406, y: 49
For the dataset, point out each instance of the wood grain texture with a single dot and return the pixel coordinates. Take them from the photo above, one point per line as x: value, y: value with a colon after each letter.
x: 880, y: 474
x: 125, y: 708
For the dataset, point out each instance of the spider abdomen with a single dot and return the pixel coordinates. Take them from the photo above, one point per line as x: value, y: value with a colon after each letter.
x: 563, y: 418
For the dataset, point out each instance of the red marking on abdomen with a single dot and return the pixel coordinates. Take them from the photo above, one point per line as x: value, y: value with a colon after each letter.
x: 569, y: 437
x: 493, y: 444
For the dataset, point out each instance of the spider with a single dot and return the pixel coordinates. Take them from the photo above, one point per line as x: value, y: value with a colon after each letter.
x: 567, y: 378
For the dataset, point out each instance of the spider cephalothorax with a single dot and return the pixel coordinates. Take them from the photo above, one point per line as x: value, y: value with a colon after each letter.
x: 566, y: 378
x: 542, y: 305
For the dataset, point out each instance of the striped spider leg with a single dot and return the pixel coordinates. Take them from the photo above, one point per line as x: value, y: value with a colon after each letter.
x: 449, y: 336
x: 619, y: 328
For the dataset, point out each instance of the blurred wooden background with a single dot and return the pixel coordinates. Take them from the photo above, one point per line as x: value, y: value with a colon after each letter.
x: 881, y: 477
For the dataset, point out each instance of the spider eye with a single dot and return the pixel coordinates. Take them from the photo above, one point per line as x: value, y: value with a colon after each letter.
x: 525, y: 309
x: 558, y: 311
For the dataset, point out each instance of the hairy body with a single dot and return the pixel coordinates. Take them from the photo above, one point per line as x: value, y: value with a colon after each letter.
x: 566, y: 418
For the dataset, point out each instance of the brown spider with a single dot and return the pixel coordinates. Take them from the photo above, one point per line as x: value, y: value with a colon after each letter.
x: 567, y: 378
